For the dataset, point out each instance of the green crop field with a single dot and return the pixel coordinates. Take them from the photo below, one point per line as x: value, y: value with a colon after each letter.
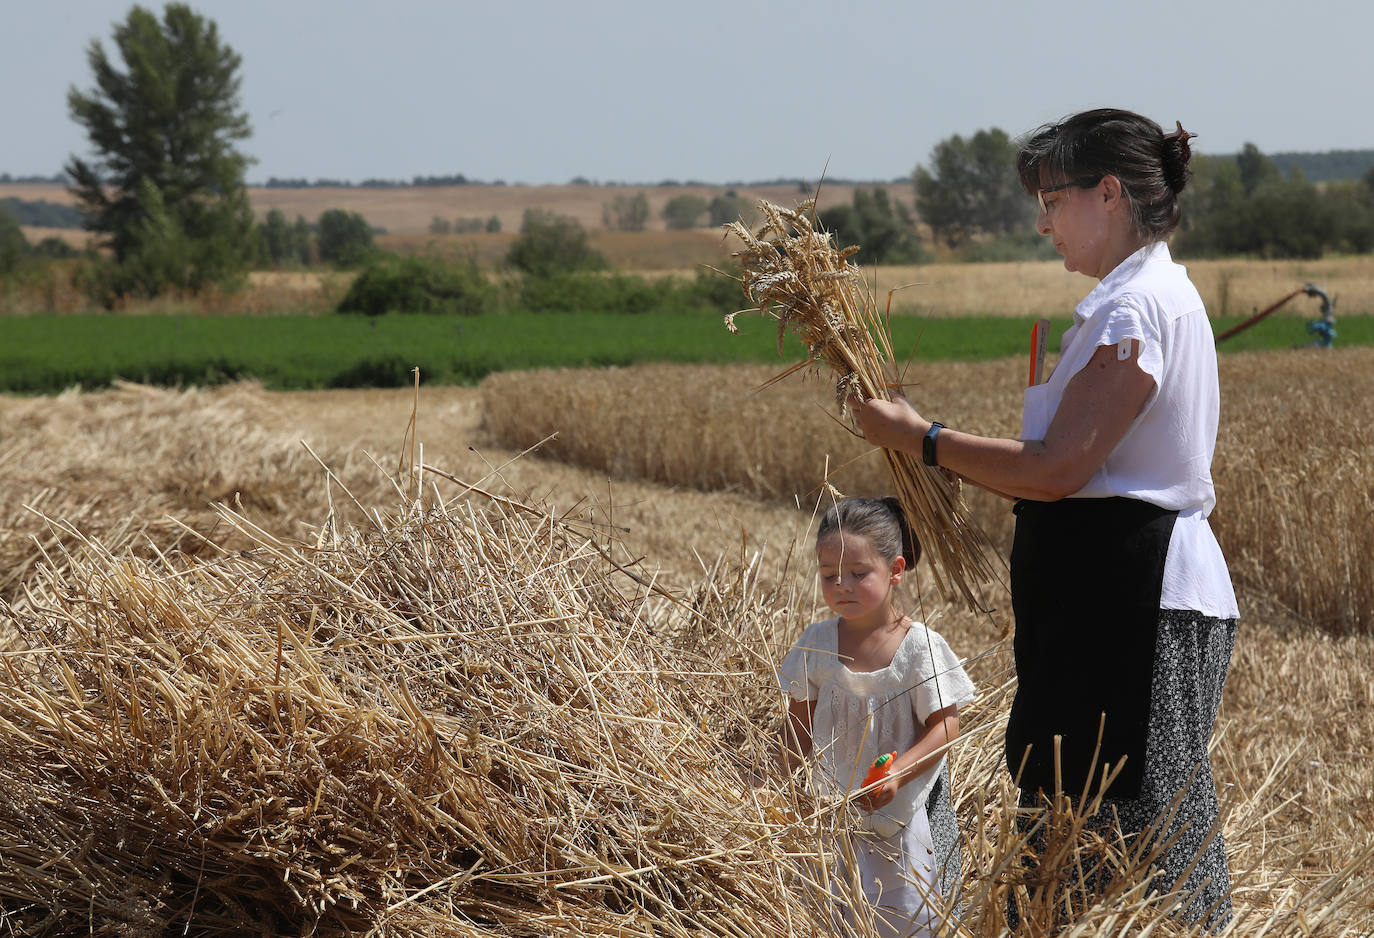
x: 48, y: 354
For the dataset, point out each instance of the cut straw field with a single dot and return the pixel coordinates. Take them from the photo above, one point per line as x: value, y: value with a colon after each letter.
x: 478, y: 714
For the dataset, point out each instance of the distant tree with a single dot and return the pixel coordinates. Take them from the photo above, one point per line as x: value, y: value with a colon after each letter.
x: 970, y: 187
x: 1256, y: 169
x: 1245, y: 206
x: 626, y: 212
x: 43, y: 214
x: 1285, y: 218
x: 493, y: 225
x: 275, y: 246
x: 440, y: 226
x: 550, y: 244
x: 14, y: 247
x: 53, y: 248
x: 684, y: 211
x: 303, y: 241
x: 343, y: 238
x: 1351, y: 209
x: 883, y: 229
x: 1212, y: 206
x: 167, y: 171
x: 726, y: 208
x: 157, y: 252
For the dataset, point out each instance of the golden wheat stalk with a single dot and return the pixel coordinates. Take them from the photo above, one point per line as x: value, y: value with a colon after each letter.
x: 792, y: 272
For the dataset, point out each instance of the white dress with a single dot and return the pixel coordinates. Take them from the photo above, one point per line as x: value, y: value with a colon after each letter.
x: 861, y: 715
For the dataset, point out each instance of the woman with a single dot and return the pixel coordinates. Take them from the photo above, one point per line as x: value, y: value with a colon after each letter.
x: 1125, y: 616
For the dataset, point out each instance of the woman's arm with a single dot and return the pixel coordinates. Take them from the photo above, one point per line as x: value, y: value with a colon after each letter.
x: 795, y: 742
x: 942, y: 726
x: 1098, y: 406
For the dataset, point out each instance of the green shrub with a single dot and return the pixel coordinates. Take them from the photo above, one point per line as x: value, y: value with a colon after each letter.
x: 684, y: 211
x: 590, y: 292
x: 14, y: 247
x: 551, y: 244
x: 712, y: 291
x: 1022, y: 246
x: 707, y: 292
x: 344, y: 238
x: 419, y: 284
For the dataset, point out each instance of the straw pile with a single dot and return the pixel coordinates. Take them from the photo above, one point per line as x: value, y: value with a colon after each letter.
x: 455, y: 721
x: 462, y: 718
x: 793, y: 273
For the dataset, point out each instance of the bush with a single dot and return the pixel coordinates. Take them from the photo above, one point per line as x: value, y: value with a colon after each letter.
x: 419, y: 284
x: 592, y: 293
x: 684, y: 211
x: 14, y: 247
x: 344, y: 238
x: 550, y: 244
x: 708, y: 292
x: 713, y: 292
x: 882, y: 228
x: 726, y: 208
x: 1025, y: 246
x: 626, y: 212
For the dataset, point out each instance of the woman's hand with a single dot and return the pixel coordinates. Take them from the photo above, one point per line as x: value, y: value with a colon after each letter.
x: 890, y: 424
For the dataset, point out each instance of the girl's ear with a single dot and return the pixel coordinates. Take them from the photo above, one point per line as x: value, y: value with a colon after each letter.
x: 898, y: 568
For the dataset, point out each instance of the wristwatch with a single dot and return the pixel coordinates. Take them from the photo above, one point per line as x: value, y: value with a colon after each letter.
x: 928, y: 444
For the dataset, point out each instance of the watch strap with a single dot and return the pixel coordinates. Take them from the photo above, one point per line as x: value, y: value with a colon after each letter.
x: 928, y: 444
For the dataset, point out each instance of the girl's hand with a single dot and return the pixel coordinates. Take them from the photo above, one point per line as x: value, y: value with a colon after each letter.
x: 880, y: 796
x: 889, y: 424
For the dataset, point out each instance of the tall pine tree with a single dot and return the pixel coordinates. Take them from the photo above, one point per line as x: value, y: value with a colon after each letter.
x: 167, y: 184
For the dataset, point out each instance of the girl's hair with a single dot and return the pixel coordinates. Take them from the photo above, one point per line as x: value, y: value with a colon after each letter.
x: 1081, y: 149
x: 881, y: 520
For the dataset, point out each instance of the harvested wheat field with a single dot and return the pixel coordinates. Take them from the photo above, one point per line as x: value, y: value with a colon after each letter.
x: 444, y: 688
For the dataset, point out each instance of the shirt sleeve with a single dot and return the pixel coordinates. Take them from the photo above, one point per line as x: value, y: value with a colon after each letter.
x: 1129, y: 318
x: 799, y: 675
x: 944, y: 682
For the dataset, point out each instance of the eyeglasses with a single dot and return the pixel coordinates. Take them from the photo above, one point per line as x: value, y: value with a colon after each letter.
x: 1040, y: 194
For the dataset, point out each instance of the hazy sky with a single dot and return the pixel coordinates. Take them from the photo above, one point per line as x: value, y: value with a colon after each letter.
x: 713, y: 90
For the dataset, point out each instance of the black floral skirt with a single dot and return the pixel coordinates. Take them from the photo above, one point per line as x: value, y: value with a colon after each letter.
x: 1192, y: 656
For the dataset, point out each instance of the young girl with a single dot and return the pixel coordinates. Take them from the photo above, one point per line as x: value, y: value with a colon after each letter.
x: 868, y: 682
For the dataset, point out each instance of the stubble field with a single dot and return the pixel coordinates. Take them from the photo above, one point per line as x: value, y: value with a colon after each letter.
x: 690, y: 468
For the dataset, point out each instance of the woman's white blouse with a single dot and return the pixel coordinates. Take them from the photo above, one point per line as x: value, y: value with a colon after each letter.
x: 1165, y: 457
x: 862, y: 714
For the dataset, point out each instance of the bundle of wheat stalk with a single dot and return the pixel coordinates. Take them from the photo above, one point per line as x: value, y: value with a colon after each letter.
x: 791, y: 271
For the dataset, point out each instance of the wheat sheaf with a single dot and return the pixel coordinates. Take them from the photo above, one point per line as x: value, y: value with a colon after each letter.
x: 793, y: 272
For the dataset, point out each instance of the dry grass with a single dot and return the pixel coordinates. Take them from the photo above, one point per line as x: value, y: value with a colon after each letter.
x: 189, y: 657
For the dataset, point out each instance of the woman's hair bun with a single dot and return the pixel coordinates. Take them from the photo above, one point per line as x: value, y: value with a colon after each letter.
x: 1176, y: 155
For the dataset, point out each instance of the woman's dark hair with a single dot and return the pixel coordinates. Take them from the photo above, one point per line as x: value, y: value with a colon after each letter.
x: 1152, y: 165
x: 881, y: 520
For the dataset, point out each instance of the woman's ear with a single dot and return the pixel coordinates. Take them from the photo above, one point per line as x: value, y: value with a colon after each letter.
x: 1111, y: 191
x: 898, y: 568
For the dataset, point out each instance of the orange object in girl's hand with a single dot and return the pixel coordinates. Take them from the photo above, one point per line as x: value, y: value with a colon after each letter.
x: 880, y: 769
